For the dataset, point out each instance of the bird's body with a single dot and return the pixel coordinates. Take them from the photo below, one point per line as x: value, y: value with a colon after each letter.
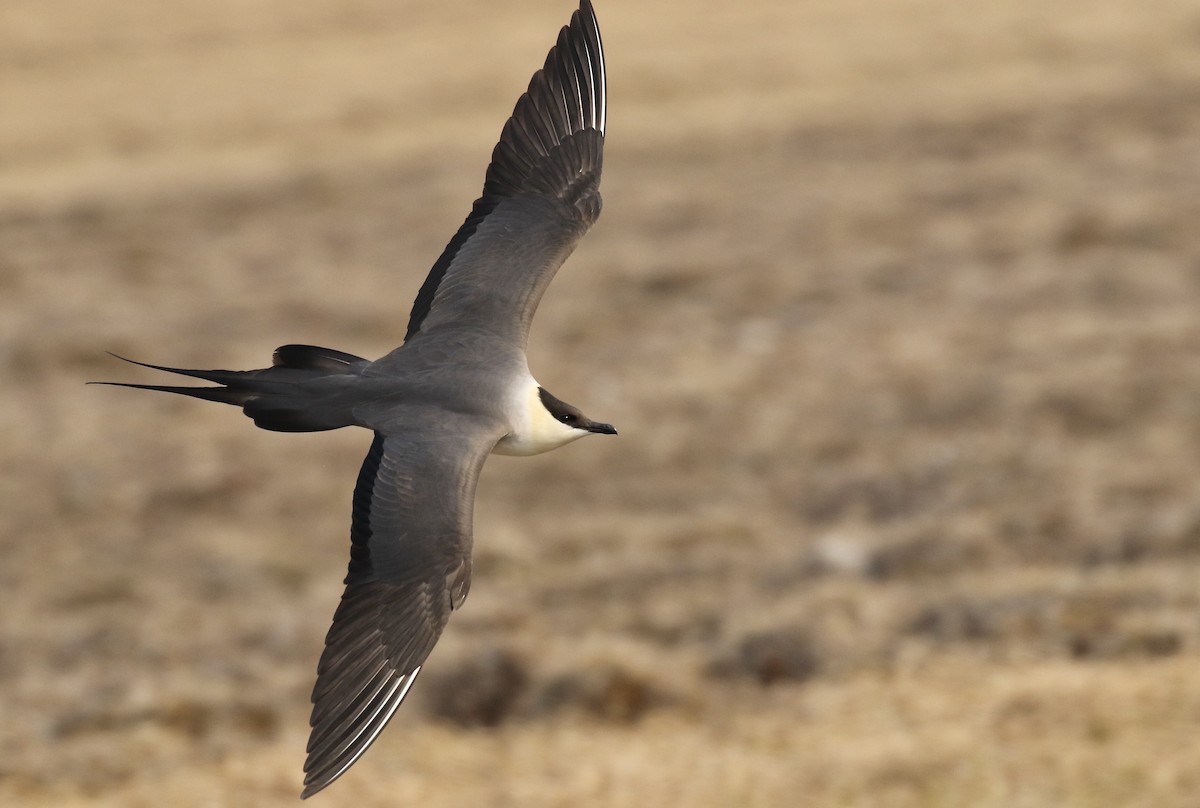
x: 458, y: 389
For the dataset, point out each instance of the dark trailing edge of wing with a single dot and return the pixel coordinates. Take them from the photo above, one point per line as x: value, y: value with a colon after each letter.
x: 551, y: 146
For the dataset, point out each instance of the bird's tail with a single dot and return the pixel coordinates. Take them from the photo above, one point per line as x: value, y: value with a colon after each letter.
x: 305, y: 389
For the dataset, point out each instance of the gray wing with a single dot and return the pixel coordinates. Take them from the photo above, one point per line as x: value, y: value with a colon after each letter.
x: 540, y: 196
x: 410, y: 565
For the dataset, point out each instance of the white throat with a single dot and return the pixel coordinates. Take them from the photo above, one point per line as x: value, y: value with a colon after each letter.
x: 535, y: 430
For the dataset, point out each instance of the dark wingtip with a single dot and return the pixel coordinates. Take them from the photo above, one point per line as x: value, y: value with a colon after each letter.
x: 564, y: 99
x: 551, y: 144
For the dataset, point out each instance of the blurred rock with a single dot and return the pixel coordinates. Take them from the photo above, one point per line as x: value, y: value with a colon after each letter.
x: 779, y: 655
x: 611, y: 692
x: 482, y: 690
x: 840, y: 554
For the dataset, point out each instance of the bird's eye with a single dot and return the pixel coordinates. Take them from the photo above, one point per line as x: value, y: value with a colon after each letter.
x: 567, y: 418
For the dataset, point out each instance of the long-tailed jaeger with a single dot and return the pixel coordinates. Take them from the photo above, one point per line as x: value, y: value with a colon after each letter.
x: 457, y: 390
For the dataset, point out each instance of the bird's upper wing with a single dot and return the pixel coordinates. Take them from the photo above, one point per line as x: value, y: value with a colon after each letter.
x: 540, y: 196
x: 410, y: 565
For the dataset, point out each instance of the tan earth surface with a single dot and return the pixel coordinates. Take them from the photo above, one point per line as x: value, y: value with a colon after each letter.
x: 896, y: 306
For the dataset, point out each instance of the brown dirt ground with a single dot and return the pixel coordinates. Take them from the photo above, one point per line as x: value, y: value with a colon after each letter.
x: 895, y: 305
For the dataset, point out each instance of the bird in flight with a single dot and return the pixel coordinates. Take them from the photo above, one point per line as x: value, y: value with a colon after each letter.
x: 457, y: 390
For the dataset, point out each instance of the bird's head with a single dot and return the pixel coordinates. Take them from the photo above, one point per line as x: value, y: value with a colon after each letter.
x: 572, y: 423
x: 548, y: 423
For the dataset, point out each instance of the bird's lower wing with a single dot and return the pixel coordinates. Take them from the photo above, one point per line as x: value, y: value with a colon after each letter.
x: 410, y: 566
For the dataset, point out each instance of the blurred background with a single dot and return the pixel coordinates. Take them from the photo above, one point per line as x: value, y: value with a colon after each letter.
x: 894, y: 305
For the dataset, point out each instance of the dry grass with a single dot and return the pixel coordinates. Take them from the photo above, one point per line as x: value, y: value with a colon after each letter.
x: 895, y: 306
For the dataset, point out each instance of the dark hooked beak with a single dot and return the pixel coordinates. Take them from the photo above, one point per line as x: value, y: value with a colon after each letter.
x: 601, y: 429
